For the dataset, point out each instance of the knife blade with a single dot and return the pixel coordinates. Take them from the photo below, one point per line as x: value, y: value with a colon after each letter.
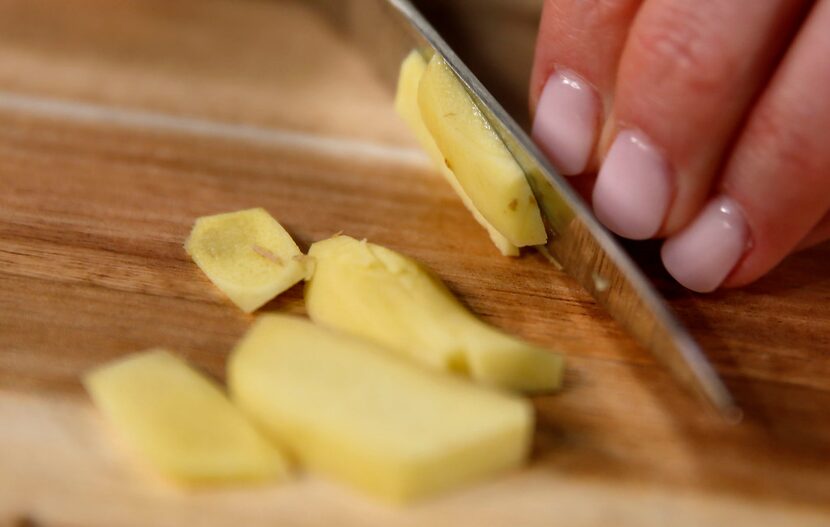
x: 386, y: 31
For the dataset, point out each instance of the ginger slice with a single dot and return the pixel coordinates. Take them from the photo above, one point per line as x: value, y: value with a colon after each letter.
x: 248, y: 255
x: 378, y: 294
x: 495, y: 184
x: 406, y: 104
x: 376, y: 421
x: 181, y: 421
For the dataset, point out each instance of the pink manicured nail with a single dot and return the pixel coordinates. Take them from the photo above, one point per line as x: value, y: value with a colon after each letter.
x: 702, y: 255
x: 634, y: 187
x: 565, y: 126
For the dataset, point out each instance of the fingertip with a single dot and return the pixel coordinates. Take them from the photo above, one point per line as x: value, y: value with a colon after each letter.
x: 705, y: 253
x: 566, y: 121
x: 634, y: 187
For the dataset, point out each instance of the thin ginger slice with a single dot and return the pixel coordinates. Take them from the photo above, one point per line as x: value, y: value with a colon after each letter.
x: 495, y: 184
x: 248, y: 255
x: 406, y: 104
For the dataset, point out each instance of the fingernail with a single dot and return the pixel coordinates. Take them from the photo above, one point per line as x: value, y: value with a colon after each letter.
x: 702, y: 255
x: 634, y: 187
x: 565, y: 126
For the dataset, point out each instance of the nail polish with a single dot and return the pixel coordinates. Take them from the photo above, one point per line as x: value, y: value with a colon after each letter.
x: 566, y: 121
x: 703, y: 254
x: 634, y: 187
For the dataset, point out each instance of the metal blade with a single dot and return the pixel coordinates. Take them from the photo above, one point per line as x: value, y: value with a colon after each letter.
x: 388, y: 30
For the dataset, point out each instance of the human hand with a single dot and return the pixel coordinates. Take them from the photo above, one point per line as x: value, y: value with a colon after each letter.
x: 709, y: 122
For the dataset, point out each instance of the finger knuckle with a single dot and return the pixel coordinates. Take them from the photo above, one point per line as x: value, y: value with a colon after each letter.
x: 593, y: 14
x: 678, y: 46
x: 787, y: 144
x: 605, y: 12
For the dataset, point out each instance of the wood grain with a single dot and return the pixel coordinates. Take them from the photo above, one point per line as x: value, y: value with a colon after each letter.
x: 121, y: 122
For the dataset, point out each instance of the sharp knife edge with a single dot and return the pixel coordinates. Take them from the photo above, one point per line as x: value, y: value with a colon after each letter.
x: 387, y: 30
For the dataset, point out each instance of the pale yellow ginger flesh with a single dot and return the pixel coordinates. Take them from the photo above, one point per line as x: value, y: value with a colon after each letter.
x: 181, y: 422
x: 369, y: 418
x: 378, y: 294
x: 406, y: 104
x: 248, y: 255
x: 485, y: 169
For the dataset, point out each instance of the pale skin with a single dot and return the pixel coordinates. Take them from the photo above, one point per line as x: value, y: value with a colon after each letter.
x: 707, y: 122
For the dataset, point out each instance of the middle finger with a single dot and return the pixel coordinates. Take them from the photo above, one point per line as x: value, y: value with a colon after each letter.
x: 688, y: 74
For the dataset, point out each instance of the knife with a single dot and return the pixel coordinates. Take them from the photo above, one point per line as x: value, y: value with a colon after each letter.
x: 387, y: 30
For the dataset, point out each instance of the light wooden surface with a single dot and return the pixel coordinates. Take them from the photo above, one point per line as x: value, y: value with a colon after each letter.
x: 121, y: 122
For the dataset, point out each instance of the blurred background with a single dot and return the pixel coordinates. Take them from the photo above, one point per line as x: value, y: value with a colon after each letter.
x: 230, y: 60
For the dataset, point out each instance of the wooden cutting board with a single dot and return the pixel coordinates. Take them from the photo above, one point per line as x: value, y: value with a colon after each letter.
x: 122, y: 121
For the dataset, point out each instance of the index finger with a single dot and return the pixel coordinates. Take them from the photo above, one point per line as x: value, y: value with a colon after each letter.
x: 574, y: 71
